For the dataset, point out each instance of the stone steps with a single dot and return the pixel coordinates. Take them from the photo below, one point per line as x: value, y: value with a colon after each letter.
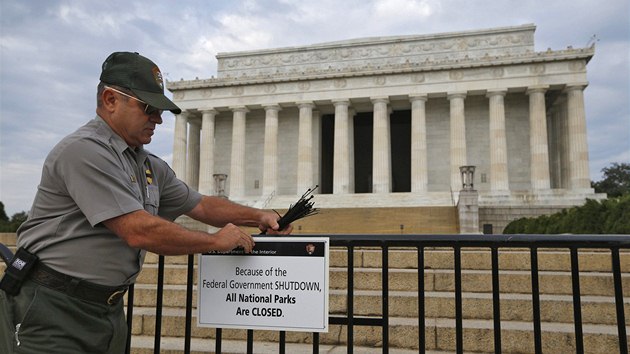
x: 7, y: 238
x: 514, y: 307
x: 556, y: 311
x: 595, y: 309
x: 352, y: 200
x: 175, y: 345
x: 407, y: 218
x: 517, y: 336
x: 591, y: 260
x: 510, y: 281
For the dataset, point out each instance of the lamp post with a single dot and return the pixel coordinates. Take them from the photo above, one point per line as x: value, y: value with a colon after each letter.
x: 468, y: 204
x: 468, y: 177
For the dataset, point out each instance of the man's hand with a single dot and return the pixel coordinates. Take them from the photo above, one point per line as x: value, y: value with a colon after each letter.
x: 269, y: 225
x: 219, y: 212
x: 231, y: 237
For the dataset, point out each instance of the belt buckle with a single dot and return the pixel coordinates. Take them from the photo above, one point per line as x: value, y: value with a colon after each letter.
x: 115, y: 296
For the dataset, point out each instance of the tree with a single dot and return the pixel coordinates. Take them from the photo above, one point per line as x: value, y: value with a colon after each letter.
x: 609, y: 216
x: 616, y: 181
x: 3, y: 214
x: 18, y: 218
x: 11, y: 225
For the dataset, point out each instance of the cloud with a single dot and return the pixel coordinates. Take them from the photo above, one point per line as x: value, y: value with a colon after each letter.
x: 18, y: 184
x: 51, y: 53
x: 92, y: 22
x: 404, y: 10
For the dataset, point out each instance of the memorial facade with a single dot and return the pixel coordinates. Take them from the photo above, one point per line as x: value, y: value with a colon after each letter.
x: 389, y: 122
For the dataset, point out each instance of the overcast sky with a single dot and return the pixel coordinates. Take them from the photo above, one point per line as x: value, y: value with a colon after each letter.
x: 52, y: 51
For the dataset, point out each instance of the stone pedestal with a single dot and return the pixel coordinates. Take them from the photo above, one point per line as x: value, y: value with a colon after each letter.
x: 468, y: 209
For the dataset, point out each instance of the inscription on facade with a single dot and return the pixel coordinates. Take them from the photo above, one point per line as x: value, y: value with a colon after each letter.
x: 401, y: 51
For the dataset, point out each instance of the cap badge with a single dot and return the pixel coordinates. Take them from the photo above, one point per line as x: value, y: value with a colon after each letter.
x: 157, y: 75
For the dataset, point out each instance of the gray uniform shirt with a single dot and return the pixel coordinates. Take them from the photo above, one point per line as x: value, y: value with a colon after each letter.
x: 90, y: 176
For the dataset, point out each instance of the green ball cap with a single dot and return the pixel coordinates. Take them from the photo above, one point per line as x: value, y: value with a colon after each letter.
x: 141, y: 76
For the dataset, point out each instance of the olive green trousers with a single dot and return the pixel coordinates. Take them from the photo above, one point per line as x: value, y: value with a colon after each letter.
x: 42, y: 320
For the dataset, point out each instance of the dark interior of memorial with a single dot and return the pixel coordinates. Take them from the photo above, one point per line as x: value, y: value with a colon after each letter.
x: 400, y: 135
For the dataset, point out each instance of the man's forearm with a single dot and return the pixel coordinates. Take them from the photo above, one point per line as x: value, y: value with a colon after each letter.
x: 142, y: 230
x: 218, y: 212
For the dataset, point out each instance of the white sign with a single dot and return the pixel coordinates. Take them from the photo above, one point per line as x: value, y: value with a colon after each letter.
x: 282, y: 285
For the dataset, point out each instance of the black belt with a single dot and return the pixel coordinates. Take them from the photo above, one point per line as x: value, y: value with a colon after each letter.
x: 76, y: 287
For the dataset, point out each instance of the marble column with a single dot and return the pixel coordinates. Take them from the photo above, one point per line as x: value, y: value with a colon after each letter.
x: 206, y: 154
x: 419, y: 165
x: 458, y: 138
x: 192, y: 163
x: 539, y: 148
x: 305, y: 147
x: 351, y: 185
x: 498, y: 145
x: 179, y: 145
x: 564, y: 155
x: 341, y: 159
x: 236, y: 176
x: 381, y: 154
x: 317, y: 147
x: 558, y: 162
x: 579, y: 177
x: 270, y: 159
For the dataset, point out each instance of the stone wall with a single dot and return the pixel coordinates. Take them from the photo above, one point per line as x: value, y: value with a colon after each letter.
x: 500, y: 217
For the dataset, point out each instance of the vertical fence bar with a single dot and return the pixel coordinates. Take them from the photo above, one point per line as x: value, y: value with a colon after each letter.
x: 459, y: 335
x: 621, y: 321
x: 158, y: 306
x: 496, y: 304
x: 350, y: 300
x: 130, y: 294
x: 217, y: 340
x: 535, y: 300
x: 421, y: 328
x: 189, y: 298
x: 385, y: 286
x: 250, y: 341
x: 315, y: 342
x: 577, y: 303
x: 282, y: 343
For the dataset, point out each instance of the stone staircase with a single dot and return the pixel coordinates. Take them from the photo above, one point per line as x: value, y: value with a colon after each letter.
x: 598, y: 308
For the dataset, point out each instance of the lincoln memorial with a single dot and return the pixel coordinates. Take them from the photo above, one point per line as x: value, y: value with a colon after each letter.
x: 387, y: 122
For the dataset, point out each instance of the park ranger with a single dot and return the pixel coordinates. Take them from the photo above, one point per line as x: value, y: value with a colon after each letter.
x: 102, y: 203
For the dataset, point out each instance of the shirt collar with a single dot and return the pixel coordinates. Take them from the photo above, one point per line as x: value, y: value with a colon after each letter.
x: 119, y: 143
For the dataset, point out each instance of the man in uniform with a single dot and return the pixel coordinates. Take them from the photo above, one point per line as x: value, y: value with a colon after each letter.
x: 102, y: 203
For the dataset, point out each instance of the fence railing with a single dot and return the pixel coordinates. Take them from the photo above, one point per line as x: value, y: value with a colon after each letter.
x: 572, y: 243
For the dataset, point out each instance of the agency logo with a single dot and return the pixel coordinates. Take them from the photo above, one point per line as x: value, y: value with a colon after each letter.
x: 157, y: 75
x: 18, y: 263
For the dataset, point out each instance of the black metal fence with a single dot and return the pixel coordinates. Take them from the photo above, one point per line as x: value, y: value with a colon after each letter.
x: 573, y: 243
